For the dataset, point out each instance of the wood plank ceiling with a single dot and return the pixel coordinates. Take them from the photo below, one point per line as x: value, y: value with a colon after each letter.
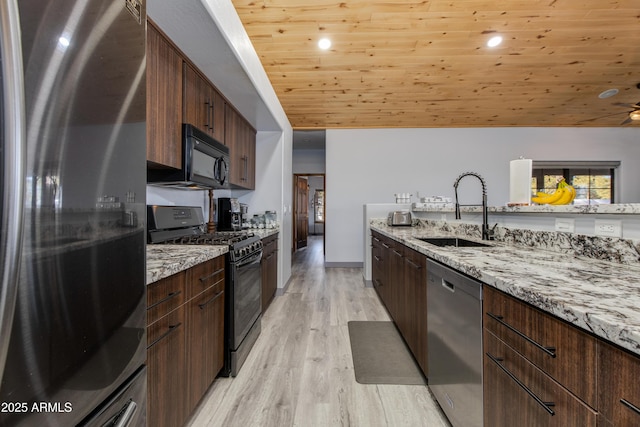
x: 401, y: 63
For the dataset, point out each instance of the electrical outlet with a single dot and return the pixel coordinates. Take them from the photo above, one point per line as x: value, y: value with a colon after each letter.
x: 567, y: 225
x: 608, y: 228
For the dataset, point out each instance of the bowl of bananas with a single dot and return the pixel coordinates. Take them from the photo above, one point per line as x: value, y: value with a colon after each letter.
x: 563, y: 195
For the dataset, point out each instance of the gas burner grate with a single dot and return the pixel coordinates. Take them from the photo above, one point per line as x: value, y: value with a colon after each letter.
x: 219, y: 238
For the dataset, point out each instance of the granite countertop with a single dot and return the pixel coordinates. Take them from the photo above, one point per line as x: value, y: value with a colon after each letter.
x: 166, y: 260
x: 600, y: 297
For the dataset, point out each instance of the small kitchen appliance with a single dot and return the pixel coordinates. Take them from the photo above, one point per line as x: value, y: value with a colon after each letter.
x: 399, y: 218
x: 229, y: 214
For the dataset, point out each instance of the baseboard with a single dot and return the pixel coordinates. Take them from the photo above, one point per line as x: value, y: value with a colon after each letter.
x: 283, y: 290
x: 343, y: 264
x: 367, y: 283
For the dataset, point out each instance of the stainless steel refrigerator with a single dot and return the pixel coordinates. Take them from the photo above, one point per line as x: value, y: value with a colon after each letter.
x: 72, y: 187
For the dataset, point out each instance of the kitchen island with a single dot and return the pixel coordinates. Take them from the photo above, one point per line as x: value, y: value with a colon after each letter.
x: 600, y: 297
x: 560, y: 331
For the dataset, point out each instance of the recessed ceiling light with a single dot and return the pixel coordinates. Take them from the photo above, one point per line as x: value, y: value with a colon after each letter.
x: 608, y: 93
x: 494, y: 41
x: 324, y: 44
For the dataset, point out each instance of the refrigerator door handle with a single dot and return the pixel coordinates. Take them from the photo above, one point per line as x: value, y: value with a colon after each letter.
x: 14, y: 164
x: 127, y: 415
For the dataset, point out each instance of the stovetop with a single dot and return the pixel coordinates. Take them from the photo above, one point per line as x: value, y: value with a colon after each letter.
x: 184, y: 226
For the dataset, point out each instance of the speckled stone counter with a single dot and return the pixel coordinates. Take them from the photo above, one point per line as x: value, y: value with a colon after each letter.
x: 166, y: 260
x: 600, y: 297
x: 264, y: 232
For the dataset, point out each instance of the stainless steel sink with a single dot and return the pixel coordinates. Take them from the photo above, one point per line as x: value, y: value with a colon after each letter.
x: 452, y: 241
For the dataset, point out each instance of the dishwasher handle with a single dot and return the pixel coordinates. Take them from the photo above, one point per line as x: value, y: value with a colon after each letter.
x: 448, y: 286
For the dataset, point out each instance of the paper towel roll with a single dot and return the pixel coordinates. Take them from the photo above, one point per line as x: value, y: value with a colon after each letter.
x: 520, y: 182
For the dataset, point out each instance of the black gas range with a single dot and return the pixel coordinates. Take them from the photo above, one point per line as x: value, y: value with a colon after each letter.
x: 184, y: 225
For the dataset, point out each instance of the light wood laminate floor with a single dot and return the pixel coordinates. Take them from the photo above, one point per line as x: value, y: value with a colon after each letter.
x: 300, y: 371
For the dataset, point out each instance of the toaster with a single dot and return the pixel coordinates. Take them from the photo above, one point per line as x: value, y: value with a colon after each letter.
x: 399, y: 218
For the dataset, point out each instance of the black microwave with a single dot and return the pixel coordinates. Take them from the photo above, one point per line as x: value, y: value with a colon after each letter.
x: 205, y: 163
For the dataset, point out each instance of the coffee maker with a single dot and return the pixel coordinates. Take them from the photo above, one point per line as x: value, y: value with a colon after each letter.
x: 229, y: 217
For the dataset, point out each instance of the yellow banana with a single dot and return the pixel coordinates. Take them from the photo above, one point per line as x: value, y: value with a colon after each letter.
x: 565, y: 198
x: 556, y: 195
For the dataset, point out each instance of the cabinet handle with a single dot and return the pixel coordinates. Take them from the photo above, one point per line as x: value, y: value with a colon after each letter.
x: 268, y: 257
x: 551, y: 351
x: 377, y: 258
x: 245, y: 166
x: 386, y: 246
x: 416, y: 266
x: 546, y: 405
x: 212, y: 116
x: 376, y: 281
x: 630, y: 405
x: 397, y: 253
x: 215, y: 297
x: 205, y: 278
x: 165, y: 299
x: 172, y: 328
x: 207, y: 105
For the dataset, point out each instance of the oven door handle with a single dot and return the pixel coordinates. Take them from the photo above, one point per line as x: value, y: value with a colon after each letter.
x: 252, y: 259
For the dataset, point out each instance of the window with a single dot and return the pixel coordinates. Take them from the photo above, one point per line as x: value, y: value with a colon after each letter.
x: 594, y: 181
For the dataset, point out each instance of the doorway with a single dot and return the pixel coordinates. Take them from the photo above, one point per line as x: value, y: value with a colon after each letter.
x: 309, y: 195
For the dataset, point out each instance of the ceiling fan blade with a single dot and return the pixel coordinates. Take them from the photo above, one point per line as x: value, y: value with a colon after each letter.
x: 622, y: 104
x: 601, y: 117
x: 627, y: 121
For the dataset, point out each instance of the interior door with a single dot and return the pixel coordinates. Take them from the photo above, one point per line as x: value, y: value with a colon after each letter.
x: 301, y: 212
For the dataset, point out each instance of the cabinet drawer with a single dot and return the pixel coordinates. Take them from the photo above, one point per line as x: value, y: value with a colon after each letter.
x: 619, y: 389
x: 168, y: 326
x: 165, y: 295
x: 561, y: 350
x: 517, y: 393
x: 205, y: 275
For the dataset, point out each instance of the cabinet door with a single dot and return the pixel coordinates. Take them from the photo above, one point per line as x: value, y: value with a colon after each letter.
x: 197, y: 100
x: 166, y: 367
x: 202, y: 106
x: 415, y: 279
x: 618, y: 386
x: 516, y: 393
x: 240, y: 138
x: 269, y: 270
x: 395, y: 281
x: 206, y: 340
x: 164, y: 101
x: 377, y: 263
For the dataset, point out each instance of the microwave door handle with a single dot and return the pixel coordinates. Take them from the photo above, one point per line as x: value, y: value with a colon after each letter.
x: 221, y: 170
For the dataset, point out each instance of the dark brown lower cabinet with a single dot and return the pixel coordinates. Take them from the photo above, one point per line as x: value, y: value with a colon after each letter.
x: 206, y: 330
x: 166, y: 365
x: 269, y: 268
x: 519, y: 394
x: 618, y: 386
x: 415, y: 305
x: 400, y: 278
x: 185, y: 341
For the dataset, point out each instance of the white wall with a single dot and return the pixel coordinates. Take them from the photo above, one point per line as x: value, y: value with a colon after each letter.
x: 309, y: 161
x: 370, y: 165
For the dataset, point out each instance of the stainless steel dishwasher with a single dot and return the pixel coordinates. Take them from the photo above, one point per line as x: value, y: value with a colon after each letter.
x: 454, y: 343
